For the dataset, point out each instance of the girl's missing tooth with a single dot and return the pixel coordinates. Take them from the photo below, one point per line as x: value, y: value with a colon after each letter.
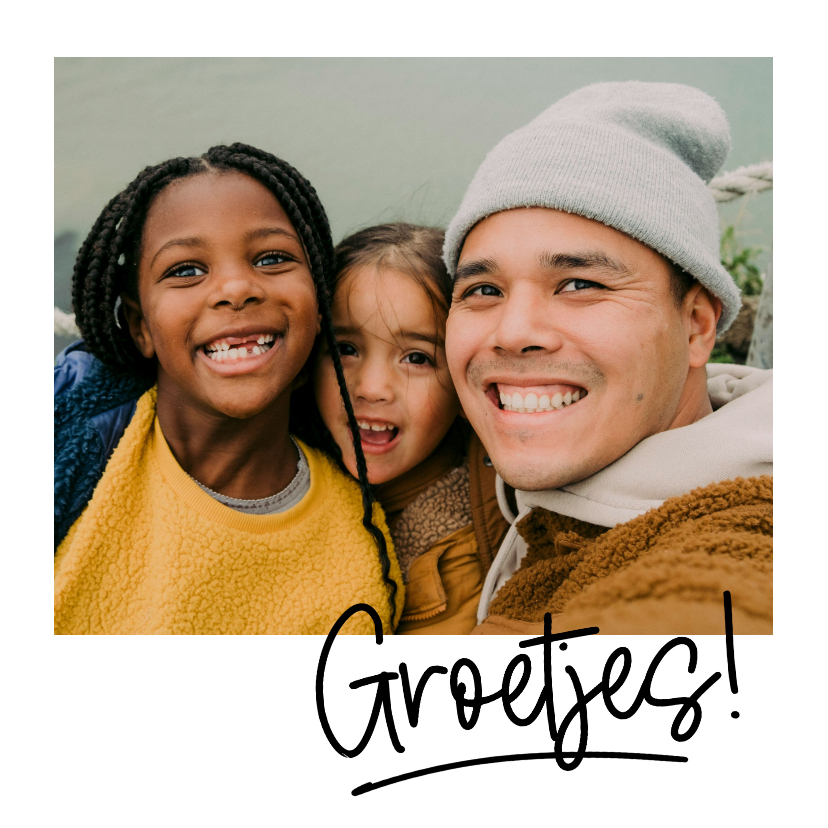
x: 390, y: 303
x: 206, y: 279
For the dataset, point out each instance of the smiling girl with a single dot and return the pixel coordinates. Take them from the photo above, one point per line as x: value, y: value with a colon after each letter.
x: 206, y: 280
x: 390, y: 304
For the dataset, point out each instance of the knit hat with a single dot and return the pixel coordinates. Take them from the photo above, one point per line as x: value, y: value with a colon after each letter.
x: 634, y: 156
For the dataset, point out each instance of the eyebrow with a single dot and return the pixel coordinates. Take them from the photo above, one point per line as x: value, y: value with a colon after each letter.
x: 190, y: 241
x: 581, y: 261
x: 548, y: 261
x: 417, y: 336
x: 478, y: 267
x: 198, y: 242
x: 262, y: 232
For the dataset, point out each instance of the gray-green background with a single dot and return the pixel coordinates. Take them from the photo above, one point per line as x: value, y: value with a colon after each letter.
x: 380, y: 138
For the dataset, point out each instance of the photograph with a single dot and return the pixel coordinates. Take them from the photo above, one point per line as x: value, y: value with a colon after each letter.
x: 413, y: 428
x: 474, y: 342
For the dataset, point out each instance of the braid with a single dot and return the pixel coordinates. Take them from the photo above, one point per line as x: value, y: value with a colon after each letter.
x: 308, y: 217
x: 100, y: 275
x: 107, y: 266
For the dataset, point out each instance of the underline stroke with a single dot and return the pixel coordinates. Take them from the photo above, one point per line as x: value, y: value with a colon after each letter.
x: 514, y: 757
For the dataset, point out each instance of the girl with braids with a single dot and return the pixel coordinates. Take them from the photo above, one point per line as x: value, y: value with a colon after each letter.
x: 391, y: 298
x: 200, y: 292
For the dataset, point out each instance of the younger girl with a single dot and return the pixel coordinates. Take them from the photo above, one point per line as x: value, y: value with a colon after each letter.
x: 390, y: 304
x: 205, y: 279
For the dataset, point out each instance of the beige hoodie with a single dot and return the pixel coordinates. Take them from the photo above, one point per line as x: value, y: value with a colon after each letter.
x: 736, y: 440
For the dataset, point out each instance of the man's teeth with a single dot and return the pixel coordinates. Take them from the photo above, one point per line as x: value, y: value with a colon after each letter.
x: 531, y: 403
x: 375, y: 426
x: 222, y: 351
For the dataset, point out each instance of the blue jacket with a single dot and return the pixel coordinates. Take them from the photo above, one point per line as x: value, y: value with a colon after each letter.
x: 93, y: 406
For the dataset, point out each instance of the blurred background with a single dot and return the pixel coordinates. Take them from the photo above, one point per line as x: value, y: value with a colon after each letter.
x: 381, y: 139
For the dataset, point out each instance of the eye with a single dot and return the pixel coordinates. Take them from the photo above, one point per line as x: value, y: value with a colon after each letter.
x: 417, y: 358
x: 271, y: 259
x: 483, y: 290
x: 346, y: 349
x: 187, y: 271
x: 578, y: 284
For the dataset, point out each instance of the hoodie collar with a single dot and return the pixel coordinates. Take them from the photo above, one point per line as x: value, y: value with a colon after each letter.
x: 736, y: 440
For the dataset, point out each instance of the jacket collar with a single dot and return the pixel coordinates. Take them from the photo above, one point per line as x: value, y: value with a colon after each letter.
x: 736, y: 440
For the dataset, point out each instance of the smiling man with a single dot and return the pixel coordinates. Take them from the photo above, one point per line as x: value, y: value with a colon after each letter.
x: 588, y: 296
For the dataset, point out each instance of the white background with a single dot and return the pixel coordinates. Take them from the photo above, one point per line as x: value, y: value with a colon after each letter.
x: 223, y: 731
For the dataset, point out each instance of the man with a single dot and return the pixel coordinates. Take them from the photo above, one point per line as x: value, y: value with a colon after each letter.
x: 588, y: 296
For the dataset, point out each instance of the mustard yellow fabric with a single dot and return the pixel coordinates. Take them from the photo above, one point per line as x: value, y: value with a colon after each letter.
x: 446, y: 580
x: 444, y: 586
x: 154, y: 554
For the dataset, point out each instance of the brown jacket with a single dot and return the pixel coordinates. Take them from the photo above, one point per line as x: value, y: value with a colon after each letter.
x: 661, y: 573
x: 447, y: 528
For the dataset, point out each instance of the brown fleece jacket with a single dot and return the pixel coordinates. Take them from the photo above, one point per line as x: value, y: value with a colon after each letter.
x: 446, y: 527
x: 661, y: 573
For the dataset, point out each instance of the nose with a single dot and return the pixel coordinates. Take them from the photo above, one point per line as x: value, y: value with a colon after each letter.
x: 526, y: 324
x: 235, y: 286
x: 373, y: 381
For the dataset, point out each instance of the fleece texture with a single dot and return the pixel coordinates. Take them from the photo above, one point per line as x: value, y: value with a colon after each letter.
x: 445, y: 523
x: 154, y: 553
x: 436, y: 545
x: 634, y: 156
x: 437, y: 512
x: 661, y: 573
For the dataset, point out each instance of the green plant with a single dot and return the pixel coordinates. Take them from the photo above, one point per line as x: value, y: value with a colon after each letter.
x: 740, y: 263
x: 721, y: 353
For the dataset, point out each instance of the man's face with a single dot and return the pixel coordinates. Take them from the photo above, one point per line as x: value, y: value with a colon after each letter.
x: 573, y: 326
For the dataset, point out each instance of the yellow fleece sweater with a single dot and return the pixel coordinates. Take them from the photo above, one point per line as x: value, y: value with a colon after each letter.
x: 154, y: 553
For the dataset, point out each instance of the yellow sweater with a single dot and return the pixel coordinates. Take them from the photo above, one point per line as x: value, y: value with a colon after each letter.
x: 154, y: 553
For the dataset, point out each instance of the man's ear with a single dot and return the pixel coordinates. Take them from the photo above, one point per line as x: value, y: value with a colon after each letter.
x: 138, y: 329
x: 704, y: 310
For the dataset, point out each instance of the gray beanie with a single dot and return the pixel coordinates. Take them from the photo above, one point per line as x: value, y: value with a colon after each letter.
x: 634, y: 156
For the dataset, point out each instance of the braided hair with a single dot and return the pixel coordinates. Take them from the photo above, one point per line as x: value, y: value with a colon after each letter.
x: 107, y: 266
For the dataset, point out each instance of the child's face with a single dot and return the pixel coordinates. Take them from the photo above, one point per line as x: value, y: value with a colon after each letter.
x: 222, y: 270
x: 395, y: 369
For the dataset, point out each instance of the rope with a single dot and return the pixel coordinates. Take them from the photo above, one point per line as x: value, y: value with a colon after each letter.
x: 746, y: 180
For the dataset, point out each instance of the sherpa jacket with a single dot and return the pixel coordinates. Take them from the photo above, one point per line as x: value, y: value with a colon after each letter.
x: 661, y: 573
x: 152, y: 552
x: 446, y: 526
